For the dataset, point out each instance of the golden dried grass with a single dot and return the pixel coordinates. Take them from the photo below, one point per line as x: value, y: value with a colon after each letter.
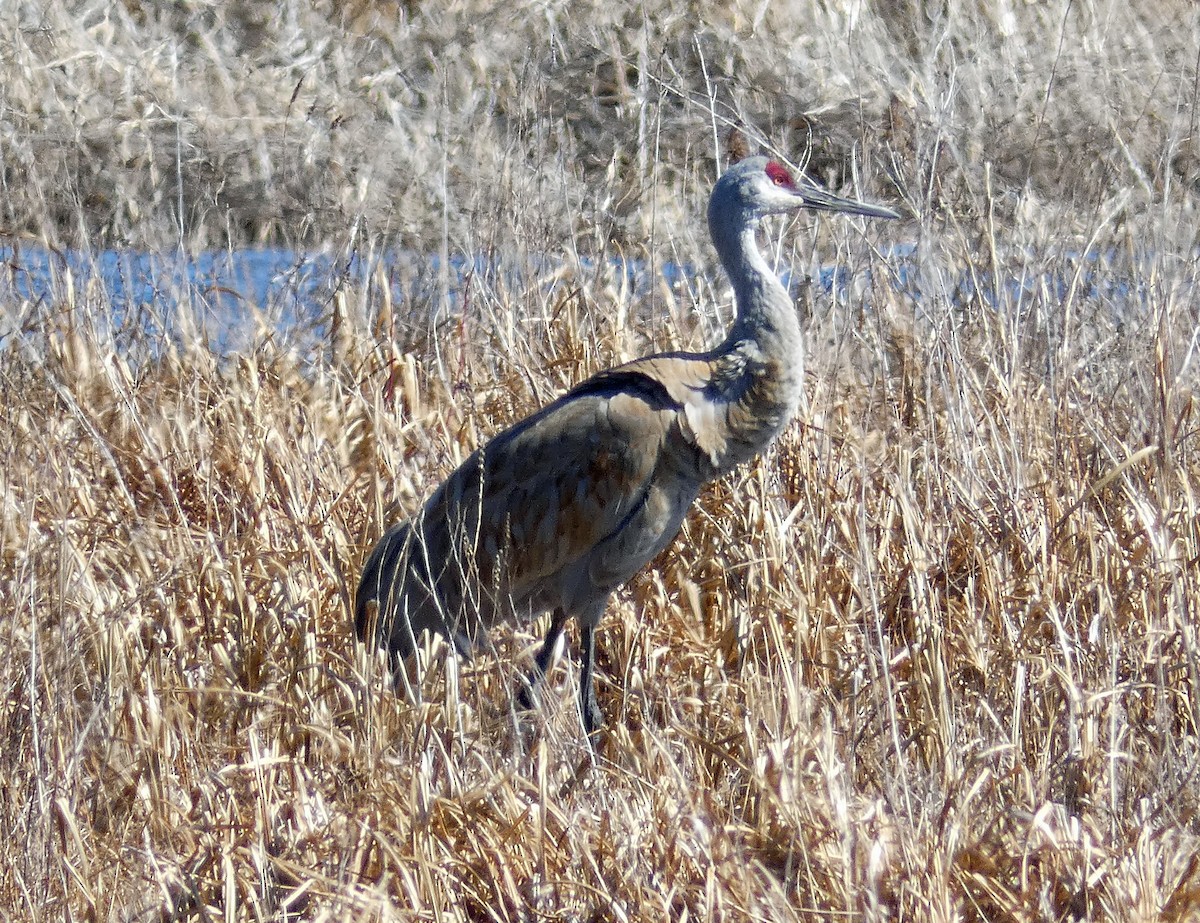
x: 934, y: 657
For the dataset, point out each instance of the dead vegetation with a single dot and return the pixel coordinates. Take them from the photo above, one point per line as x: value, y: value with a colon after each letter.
x: 935, y: 657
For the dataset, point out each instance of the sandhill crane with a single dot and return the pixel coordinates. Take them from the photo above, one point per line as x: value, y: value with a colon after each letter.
x: 561, y: 509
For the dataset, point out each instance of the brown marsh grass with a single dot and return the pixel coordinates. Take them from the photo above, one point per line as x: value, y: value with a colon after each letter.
x: 933, y: 657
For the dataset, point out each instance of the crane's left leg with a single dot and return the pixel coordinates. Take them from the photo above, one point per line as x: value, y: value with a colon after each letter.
x: 558, y: 622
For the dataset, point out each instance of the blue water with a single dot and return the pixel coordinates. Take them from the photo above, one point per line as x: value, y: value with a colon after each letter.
x: 231, y: 293
x: 237, y: 295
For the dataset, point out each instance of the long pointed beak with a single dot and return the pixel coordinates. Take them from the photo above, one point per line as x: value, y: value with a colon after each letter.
x: 818, y: 199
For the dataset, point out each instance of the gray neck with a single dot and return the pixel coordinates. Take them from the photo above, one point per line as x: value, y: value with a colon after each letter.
x: 766, y: 322
x: 759, y: 370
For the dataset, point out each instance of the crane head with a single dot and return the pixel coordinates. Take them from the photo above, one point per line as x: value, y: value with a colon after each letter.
x: 765, y: 187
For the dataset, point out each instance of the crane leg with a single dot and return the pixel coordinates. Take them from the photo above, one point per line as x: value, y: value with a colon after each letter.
x: 592, y: 717
x: 558, y: 622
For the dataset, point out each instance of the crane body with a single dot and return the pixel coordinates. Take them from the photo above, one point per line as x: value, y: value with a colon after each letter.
x: 558, y: 511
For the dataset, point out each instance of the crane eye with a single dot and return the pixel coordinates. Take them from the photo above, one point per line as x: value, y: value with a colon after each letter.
x: 778, y: 175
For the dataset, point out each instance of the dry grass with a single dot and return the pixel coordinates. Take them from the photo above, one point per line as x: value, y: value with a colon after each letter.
x: 935, y: 657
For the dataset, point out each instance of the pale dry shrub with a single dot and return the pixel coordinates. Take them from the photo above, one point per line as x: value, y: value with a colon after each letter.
x: 582, y: 125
